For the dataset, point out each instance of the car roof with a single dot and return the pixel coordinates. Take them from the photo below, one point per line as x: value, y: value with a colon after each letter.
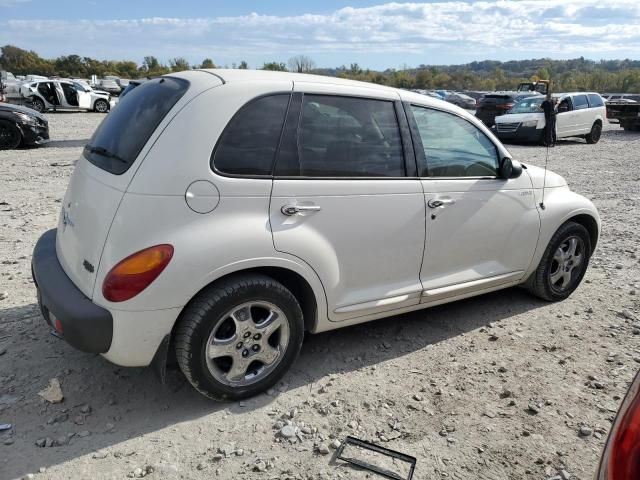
x: 242, y: 75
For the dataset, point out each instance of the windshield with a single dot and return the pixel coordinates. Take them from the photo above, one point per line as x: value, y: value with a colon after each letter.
x: 123, y: 133
x: 528, y: 105
x: 108, y: 83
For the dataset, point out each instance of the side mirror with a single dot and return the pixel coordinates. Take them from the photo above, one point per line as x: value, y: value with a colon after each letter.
x: 509, y: 168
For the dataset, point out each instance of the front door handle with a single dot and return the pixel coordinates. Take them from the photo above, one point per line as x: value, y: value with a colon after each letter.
x: 437, y: 202
x: 296, y: 209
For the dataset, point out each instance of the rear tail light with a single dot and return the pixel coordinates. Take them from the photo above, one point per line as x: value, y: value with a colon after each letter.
x: 505, y: 106
x: 621, y: 456
x: 135, y: 273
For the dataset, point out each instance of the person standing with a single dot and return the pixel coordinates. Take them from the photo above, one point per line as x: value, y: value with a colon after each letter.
x: 548, y: 106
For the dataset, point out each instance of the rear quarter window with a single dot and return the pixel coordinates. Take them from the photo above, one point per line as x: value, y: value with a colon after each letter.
x: 123, y: 133
x: 595, y: 100
x: 249, y: 142
x: 580, y: 102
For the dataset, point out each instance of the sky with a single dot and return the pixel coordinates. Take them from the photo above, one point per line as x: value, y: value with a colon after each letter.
x: 332, y: 32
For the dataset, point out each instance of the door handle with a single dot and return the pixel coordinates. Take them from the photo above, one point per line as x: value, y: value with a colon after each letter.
x: 437, y: 202
x: 296, y: 209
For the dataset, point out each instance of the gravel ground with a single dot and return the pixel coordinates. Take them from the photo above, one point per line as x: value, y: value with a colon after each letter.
x: 501, y: 386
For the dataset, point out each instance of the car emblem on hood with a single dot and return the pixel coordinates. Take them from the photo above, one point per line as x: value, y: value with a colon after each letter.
x: 66, y: 219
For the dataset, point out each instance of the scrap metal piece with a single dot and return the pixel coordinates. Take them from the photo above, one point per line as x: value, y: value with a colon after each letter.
x: 356, y: 442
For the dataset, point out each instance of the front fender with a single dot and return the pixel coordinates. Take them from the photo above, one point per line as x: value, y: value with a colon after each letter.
x: 560, y: 206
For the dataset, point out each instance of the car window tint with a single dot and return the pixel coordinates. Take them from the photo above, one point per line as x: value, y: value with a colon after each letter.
x: 349, y: 137
x: 595, y: 100
x: 454, y: 147
x: 580, y: 102
x: 123, y: 133
x: 249, y: 143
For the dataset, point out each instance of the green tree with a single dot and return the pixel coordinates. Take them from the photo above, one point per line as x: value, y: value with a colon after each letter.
x: 278, y: 67
x: 179, y: 64
x: 207, y: 63
x: 243, y: 65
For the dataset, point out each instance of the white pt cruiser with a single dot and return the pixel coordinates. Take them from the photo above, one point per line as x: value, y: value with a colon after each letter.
x: 221, y: 214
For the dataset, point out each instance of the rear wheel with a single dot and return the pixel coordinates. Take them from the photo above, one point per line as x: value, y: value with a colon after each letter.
x: 563, y: 264
x: 101, y: 106
x: 37, y: 104
x: 10, y: 136
x: 594, y: 136
x: 239, y: 337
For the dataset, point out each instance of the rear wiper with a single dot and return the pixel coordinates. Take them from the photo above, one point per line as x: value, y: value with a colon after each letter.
x: 104, y: 152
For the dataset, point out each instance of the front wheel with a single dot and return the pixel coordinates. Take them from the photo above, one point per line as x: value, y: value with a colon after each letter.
x: 594, y: 136
x: 563, y: 264
x: 239, y: 337
x: 10, y: 136
x: 101, y: 106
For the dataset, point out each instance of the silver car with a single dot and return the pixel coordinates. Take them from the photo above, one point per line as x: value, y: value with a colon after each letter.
x: 64, y: 95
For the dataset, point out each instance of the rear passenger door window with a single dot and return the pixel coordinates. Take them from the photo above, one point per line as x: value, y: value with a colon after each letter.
x: 348, y: 137
x: 453, y: 146
x: 249, y: 143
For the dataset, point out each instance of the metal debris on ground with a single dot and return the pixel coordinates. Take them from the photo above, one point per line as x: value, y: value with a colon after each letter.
x: 383, y: 461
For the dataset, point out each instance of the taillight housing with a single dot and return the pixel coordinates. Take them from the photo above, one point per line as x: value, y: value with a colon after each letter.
x: 621, y: 457
x: 136, y: 272
x: 505, y: 106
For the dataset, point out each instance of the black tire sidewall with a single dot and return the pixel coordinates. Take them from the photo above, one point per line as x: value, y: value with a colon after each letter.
x: 567, y: 230
x: 37, y: 101
x: 212, y: 316
x: 597, y: 129
x: 11, y: 126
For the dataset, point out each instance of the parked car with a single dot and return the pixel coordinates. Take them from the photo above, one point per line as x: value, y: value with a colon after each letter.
x: 21, y: 126
x: 493, y: 105
x: 461, y: 100
x: 620, y: 458
x: 9, y: 86
x: 580, y: 114
x: 299, y: 203
x: 110, y: 86
x: 621, y: 97
x: 64, y: 95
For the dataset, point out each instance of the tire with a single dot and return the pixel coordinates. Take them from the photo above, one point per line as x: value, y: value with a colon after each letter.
x: 10, y: 136
x: 206, y: 325
x: 101, y: 106
x: 37, y: 105
x: 594, y: 136
x: 552, y: 281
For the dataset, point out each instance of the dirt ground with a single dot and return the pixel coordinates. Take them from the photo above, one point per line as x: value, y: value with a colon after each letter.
x: 502, y: 386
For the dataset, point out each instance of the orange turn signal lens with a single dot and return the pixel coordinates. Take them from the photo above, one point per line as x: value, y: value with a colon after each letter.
x: 136, y: 272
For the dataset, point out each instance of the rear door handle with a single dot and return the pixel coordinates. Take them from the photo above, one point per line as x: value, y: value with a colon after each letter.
x: 437, y: 202
x: 296, y: 209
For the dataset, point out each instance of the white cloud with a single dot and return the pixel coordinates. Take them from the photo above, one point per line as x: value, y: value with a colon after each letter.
x: 480, y: 29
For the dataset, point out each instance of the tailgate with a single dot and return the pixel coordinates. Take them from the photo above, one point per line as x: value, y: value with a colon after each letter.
x: 87, y: 212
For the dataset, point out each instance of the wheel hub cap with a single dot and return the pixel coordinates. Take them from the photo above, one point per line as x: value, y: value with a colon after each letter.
x: 247, y: 343
x: 566, y: 260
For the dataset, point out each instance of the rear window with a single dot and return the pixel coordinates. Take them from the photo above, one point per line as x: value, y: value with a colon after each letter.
x: 595, y: 100
x: 120, y: 137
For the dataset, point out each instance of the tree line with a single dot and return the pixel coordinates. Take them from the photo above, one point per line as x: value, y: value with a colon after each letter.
x: 566, y: 75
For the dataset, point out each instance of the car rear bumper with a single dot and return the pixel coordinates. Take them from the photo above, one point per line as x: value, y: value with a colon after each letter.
x: 83, y: 324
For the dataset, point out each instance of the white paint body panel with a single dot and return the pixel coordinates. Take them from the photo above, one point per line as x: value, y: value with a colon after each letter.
x: 371, y: 251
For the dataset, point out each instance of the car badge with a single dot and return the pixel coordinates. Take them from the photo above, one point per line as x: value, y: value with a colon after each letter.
x: 66, y: 219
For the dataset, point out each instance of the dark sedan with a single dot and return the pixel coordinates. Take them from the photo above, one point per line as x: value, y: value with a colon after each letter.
x: 21, y: 126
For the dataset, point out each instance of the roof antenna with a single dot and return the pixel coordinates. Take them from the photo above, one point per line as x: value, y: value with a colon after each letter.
x: 544, y: 178
x: 546, y: 161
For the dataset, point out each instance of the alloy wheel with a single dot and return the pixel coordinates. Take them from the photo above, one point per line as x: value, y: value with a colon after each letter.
x: 566, y: 264
x: 247, y: 343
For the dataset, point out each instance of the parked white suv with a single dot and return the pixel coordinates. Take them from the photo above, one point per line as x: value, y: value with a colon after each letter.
x: 577, y: 115
x: 223, y: 213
